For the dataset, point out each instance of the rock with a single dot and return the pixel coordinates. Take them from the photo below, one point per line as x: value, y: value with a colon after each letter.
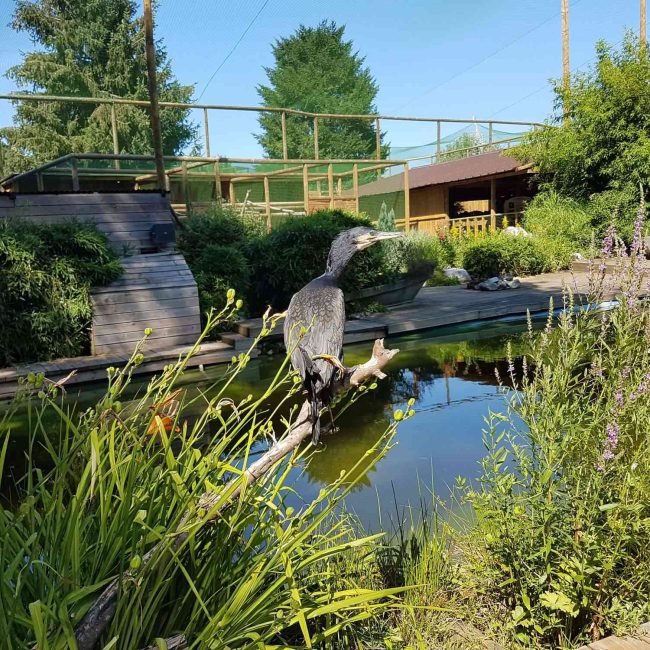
x: 577, y: 256
x: 460, y: 274
x: 496, y: 283
x: 516, y: 231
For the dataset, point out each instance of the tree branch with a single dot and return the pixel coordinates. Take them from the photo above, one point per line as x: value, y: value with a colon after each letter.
x: 101, y: 613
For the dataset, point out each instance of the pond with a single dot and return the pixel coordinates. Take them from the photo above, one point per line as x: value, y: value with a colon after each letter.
x: 451, y: 375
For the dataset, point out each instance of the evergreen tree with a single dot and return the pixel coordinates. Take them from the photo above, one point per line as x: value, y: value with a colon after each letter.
x: 90, y: 48
x: 317, y: 71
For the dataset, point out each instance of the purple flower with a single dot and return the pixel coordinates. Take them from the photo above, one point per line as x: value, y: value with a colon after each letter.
x: 612, y: 435
x: 608, y: 242
x: 618, y: 397
x: 625, y: 373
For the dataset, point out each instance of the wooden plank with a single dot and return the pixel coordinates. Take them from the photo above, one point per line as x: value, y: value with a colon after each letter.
x: 142, y: 314
x: 137, y: 327
x: 124, y: 311
x: 139, y: 286
x: 131, y: 211
x: 95, y: 198
x: 184, y: 333
x: 145, y: 294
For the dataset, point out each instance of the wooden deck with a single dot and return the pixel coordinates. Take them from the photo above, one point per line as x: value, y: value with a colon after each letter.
x: 639, y: 641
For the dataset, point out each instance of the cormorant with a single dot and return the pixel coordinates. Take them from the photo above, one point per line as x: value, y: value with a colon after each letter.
x: 319, y: 308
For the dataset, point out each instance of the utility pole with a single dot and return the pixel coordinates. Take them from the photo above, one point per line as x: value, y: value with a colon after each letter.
x: 566, y: 70
x: 642, y: 25
x: 152, y: 86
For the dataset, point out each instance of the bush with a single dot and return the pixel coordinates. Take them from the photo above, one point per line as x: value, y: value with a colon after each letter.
x: 46, y: 272
x: 564, y: 501
x: 552, y: 216
x: 296, y: 252
x: 214, y: 244
x: 420, y: 247
x: 499, y: 254
x: 603, y: 147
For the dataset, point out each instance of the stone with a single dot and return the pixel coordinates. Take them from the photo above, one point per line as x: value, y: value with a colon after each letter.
x: 459, y: 274
x: 516, y: 231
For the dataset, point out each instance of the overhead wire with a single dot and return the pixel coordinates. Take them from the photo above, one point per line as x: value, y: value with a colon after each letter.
x: 485, y: 58
x: 234, y: 47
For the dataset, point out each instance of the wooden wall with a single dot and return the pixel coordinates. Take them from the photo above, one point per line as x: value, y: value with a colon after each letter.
x: 156, y: 291
x: 429, y: 208
x: 126, y: 218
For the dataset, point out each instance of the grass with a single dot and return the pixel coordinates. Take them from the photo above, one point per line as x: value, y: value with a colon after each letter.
x: 122, y: 480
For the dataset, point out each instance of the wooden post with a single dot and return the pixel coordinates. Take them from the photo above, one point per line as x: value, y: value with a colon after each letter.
x: 231, y: 193
x: 407, y: 199
x: 339, y: 186
x: 217, y: 181
x: 316, y: 157
x: 285, y: 148
x: 330, y: 183
x: 378, y: 138
x: 206, y: 132
x: 355, y: 186
x: 186, y: 189
x: 493, y: 205
x: 154, y: 111
x: 305, y: 187
x: 490, y: 132
x: 642, y: 24
x: 75, y: 174
x: 267, y: 202
x: 116, y: 143
x: 39, y: 182
x: 438, y: 130
x: 566, y: 70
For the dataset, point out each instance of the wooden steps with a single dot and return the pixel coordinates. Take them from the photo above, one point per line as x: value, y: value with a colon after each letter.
x: 156, y: 291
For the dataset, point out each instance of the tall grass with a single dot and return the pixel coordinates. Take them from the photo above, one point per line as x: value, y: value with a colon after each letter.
x: 123, y: 479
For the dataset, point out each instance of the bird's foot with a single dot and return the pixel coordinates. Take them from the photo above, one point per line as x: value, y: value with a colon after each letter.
x: 334, y: 361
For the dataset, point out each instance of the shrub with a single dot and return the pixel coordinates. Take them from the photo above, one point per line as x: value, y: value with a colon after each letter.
x: 420, y: 247
x: 603, y: 147
x: 296, y: 252
x: 552, y: 216
x: 46, y: 272
x: 214, y: 246
x: 564, y: 501
x: 499, y: 254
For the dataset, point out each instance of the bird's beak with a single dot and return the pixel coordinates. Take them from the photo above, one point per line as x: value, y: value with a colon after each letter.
x: 373, y: 237
x: 382, y: 234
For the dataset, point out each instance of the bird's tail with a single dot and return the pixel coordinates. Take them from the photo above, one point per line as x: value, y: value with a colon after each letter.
x: 311, y: 383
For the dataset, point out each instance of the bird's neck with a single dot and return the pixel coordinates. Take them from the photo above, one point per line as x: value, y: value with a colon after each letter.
x: 337, y: 261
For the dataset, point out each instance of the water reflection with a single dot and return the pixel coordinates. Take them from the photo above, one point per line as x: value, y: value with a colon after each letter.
x: 451, y: 377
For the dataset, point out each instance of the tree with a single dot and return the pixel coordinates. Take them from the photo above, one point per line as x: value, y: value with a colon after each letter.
x: 465, y: 145
x: 90, y: 48
x: 317, y: 71
x: 601, y: 154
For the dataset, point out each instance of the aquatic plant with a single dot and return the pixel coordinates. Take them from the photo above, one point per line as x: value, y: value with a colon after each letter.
x: 146, y: 520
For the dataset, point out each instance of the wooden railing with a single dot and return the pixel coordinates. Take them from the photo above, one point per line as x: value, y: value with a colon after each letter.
x: 482, y: 223
x: 114, y: 104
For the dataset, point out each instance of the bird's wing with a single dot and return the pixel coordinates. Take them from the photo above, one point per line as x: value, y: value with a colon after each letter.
x: 320, y: 308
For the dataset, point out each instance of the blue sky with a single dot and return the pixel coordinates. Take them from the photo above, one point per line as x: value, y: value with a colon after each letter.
x: 466, y: 58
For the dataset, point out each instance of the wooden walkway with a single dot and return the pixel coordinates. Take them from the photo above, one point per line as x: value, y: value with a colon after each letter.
x: 434, y: 307
x: 640, y: 641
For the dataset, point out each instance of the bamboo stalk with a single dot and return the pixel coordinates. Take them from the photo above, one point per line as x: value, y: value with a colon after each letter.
x: 206, y: 131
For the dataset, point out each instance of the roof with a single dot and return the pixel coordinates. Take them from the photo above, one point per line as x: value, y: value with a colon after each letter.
x: 481, y: 165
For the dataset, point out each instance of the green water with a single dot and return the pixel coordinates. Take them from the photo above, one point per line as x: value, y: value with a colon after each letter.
x: 450, y: 374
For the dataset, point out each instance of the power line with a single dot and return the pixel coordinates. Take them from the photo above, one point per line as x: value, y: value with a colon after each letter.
x: 478, y: 63
x: 521, y: 99
x: 234, y: 47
